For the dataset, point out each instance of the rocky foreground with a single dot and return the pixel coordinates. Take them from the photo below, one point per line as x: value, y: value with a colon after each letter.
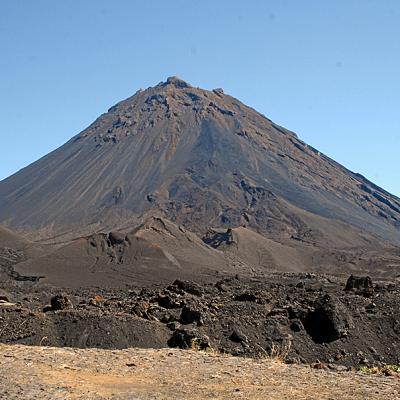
x: 65, y: 373
x: 299, y: 318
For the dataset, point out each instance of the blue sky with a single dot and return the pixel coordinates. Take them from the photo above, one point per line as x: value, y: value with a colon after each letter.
x: 328, y: 70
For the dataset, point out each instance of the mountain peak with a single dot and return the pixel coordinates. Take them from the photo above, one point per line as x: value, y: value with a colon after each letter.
x: 201, y: 159
x: 177, y: 82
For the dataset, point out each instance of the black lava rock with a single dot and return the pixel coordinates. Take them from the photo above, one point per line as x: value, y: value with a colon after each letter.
x: 60, y: 302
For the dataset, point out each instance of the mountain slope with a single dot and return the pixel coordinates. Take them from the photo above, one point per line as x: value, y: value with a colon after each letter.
x: 154, y: 252
x: 202, y: 159
x: 11, y: 239
x: 15, y: 249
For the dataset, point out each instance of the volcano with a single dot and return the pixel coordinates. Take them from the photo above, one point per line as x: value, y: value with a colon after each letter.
x: 184, y: 218
x: 204, y: 162
x: 202, y: 159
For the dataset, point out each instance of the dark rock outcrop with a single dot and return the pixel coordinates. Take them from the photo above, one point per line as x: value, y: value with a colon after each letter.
x: 189, y: 339
x: 60, y: 302
x: 360, y: 284
x: 328, y: 321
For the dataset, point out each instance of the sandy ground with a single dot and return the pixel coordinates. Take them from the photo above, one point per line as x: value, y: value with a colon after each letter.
x: 65, y: 373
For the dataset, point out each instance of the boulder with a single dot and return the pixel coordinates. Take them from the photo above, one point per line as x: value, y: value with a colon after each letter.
x: 296, y: 325
x: 141, y: 308
x: 238, y: 336
x: 246, y: 296
x: 167, y: 300
x: 96, y: 301
x: 360, y: 284
x: 116, y: 238
x: 188, y: 287
x: 190, y: 315
x: 189, y: 339
x: 60, y: 302
x: 328, y: 320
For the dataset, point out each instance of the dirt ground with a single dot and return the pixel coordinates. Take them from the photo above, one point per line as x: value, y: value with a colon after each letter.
x: 65, y: 373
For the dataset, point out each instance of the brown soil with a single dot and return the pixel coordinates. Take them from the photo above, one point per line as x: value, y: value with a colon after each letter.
x: 53, y: 373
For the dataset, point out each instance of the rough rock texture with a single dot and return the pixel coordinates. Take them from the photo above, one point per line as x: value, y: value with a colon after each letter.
x: 296, y: 317
x: 60, y: 302
x: 360, y: 284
